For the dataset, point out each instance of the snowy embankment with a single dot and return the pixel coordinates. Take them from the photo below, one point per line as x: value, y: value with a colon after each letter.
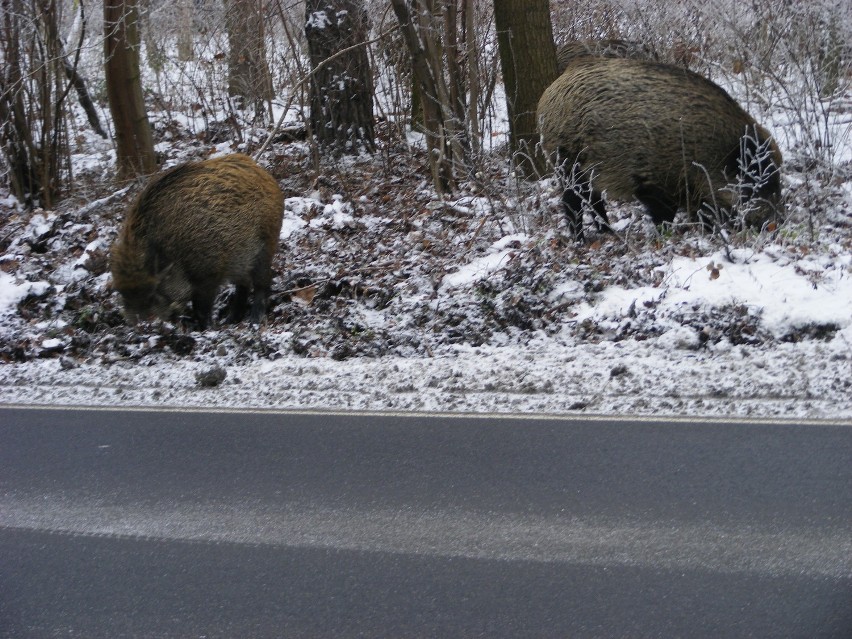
x: 742, y: 333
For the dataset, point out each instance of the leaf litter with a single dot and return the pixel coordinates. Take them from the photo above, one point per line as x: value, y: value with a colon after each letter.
x: 387, y: 298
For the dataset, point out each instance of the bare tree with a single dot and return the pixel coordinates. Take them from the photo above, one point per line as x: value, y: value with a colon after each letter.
x: 134, y: 144
x: 342, y: 89
x: 186, y: 31
x: 16, y: 137
x: 528, y: 60
x: 35, y: 80
x: 77, y: 81
x: 431, y: 36
x: 155, y: 54
x: 249, y: 82
x: 471, y: 54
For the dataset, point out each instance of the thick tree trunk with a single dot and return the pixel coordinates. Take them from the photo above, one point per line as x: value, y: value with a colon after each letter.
x: 134, y: 144
x: 342, y: 90
x: 528, y: 60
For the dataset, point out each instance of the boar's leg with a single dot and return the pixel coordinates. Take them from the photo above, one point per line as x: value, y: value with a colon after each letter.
x: 575, y: 199
x: 573, y: 204
x: 203, y: 297
x: 659, y: 204
x: 577, y: 195
x: 261, y: 276
x: 601, y: 219
x: 239, y: 304
x: 711, y: 218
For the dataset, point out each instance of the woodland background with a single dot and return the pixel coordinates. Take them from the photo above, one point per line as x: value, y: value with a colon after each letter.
x: 139, y: 67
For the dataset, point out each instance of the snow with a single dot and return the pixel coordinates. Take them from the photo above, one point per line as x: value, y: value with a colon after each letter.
x: 545, y: 377
x: 290, y: 223
x: 12, y: 292
x: 318, y: 20
x: 726, y: 333
x: 336, y: 215
x: 482, y: 267
x: 789, y: 296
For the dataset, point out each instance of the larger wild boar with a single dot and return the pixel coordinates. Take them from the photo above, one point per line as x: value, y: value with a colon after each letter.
x: 660, y: 134
x: 192, y: 229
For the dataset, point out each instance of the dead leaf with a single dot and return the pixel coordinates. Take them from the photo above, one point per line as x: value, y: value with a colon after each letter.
x: 714, y: 270
x: 305, y: 295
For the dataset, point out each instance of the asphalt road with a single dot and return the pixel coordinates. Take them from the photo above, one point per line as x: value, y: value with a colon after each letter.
x: 189, y: 524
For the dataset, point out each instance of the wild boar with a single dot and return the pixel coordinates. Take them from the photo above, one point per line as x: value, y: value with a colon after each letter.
x: 661, y: 134
x: 194, y: 228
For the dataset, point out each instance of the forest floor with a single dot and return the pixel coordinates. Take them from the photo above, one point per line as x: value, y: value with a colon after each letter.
x: 389, y: 298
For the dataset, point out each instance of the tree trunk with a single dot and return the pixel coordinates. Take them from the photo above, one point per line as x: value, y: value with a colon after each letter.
x: 186, y: 32
x: 437, y: 113
x: 83, y: 97
x: 249, y: 82
x: 155, y: 55
x: 134, y: 144
x: 473, y: 88
x: 79, y: 83
x: 342, y: 90
x: 528, y: 60
x: 16, y: 134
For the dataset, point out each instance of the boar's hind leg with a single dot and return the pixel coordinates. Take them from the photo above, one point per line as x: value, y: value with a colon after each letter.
x: 239, y: 304
x: 573, y: 204
x: 261, y: 277
x: 601, y: 220
x: 660, y: 205
x: 203, y: 297
x: 575, y: 199
x: 576, y: 196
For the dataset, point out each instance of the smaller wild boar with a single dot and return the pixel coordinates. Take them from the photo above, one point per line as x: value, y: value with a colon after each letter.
x: 192, y: 229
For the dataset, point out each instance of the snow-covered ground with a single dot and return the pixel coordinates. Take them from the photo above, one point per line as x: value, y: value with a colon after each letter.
x: 550, y: 376
x: 381, y: 309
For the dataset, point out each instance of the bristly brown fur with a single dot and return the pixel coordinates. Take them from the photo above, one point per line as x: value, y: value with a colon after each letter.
x: 654, y: 132
x: 193, y: 228
x: 610, y: 48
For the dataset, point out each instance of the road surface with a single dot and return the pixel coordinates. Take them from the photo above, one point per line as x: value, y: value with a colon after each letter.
x: 117, y: 523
